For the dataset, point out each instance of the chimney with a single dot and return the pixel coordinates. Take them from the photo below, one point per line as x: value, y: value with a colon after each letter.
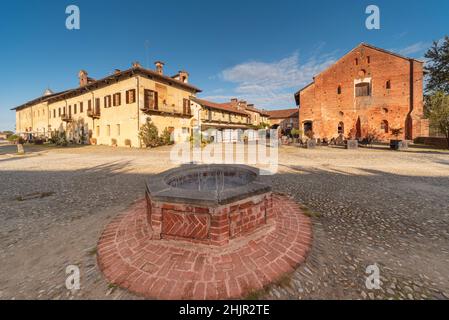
x: 234, y: 100
x: 242, y: 104
x: 136, y: 64
x: 159, y: 67
x: 117, y: 71
x: 184, y: 76
x: 82, y: 75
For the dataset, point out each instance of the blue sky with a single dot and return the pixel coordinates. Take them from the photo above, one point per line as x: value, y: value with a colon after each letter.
x: 262, y: 51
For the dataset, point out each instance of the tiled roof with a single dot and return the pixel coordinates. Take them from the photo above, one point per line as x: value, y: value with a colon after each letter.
x: 220, y: 106
x: 262, y: 112
x: 106, y: 81
x: 285, y: 113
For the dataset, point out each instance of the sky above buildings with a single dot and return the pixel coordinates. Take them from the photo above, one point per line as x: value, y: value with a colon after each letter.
x: 261, y: 51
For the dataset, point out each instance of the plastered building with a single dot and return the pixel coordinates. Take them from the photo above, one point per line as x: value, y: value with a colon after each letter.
x: 111, y: 111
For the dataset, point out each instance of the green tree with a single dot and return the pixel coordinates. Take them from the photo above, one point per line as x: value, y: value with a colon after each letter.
x: 149, y: 134
x: 438, y: 112
x: 437, y: 67
x: 166, y: 137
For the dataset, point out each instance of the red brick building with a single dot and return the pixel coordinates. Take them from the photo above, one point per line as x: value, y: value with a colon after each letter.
x: 369, y: 90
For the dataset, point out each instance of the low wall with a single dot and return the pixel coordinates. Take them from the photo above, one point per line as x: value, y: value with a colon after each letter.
x: 432, y: 141
x: 209, y: 225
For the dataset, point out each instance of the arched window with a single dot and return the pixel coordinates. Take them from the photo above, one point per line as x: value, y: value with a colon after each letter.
x: 388, y: 84
x: 384, y: 126
x: 341, y: 128
x: 362, y: 89
x: 339, y: 90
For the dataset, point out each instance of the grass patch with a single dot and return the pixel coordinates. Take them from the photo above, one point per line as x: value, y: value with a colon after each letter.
x: 310, y: 213
x: 284, y: 281
x: 112, y: 286
x: 92, y: 252
x: 257, y: 294
x: 37, y: 195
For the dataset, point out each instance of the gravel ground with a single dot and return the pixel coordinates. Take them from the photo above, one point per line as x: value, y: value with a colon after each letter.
x: 369, y: 206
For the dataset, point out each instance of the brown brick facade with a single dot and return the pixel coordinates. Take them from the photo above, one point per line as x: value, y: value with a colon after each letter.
x: 209, y: 225
x: 368, y: 90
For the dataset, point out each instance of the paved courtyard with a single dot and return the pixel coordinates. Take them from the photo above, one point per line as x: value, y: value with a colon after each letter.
x: 368, y: 206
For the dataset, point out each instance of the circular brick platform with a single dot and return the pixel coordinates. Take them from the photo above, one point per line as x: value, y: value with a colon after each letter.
x: 169, y: 269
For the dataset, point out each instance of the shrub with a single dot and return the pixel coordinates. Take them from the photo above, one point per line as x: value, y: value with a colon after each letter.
x: 38, y: 141
x: 396, y: 132
x: 296, y: 133
x: 166, y: 137
x: 149, y: 134
x: 114, y: 142
x: 128, y: 142
x: 60, y: 139
x: 13, y: 138
x: 19, y: 140
x: 310, y: 134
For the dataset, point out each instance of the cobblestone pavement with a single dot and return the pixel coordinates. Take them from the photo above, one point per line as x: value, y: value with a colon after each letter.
x: 367, y: 207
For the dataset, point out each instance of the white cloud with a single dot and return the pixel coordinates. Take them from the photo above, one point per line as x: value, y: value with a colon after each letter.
x: 418, y: 47
x: 272, y: 84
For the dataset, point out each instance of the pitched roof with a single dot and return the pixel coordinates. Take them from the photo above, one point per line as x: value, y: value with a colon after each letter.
x: 106, y: 81
x: 220, y: 106
x: 262, y: 112
x: 285, y: 113
x: 41, y: 99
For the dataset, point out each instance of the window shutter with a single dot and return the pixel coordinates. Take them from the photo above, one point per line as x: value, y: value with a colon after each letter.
x: 156, y: 101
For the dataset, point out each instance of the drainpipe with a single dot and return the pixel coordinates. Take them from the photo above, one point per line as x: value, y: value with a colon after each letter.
x: 408, y: 133
x: 48, y: 119
x: 32, y: 122
x: 138, y: 108
x: 93, y: 118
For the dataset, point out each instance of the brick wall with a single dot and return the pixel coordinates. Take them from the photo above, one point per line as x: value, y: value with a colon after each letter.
x: 209, y: 225
x: 401, y: 105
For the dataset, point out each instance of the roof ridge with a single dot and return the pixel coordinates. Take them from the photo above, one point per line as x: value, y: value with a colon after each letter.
x: 356, y: 47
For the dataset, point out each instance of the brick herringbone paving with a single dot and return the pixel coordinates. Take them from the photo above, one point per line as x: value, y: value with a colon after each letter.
x: 167, y: 269
x: 185, y: 225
